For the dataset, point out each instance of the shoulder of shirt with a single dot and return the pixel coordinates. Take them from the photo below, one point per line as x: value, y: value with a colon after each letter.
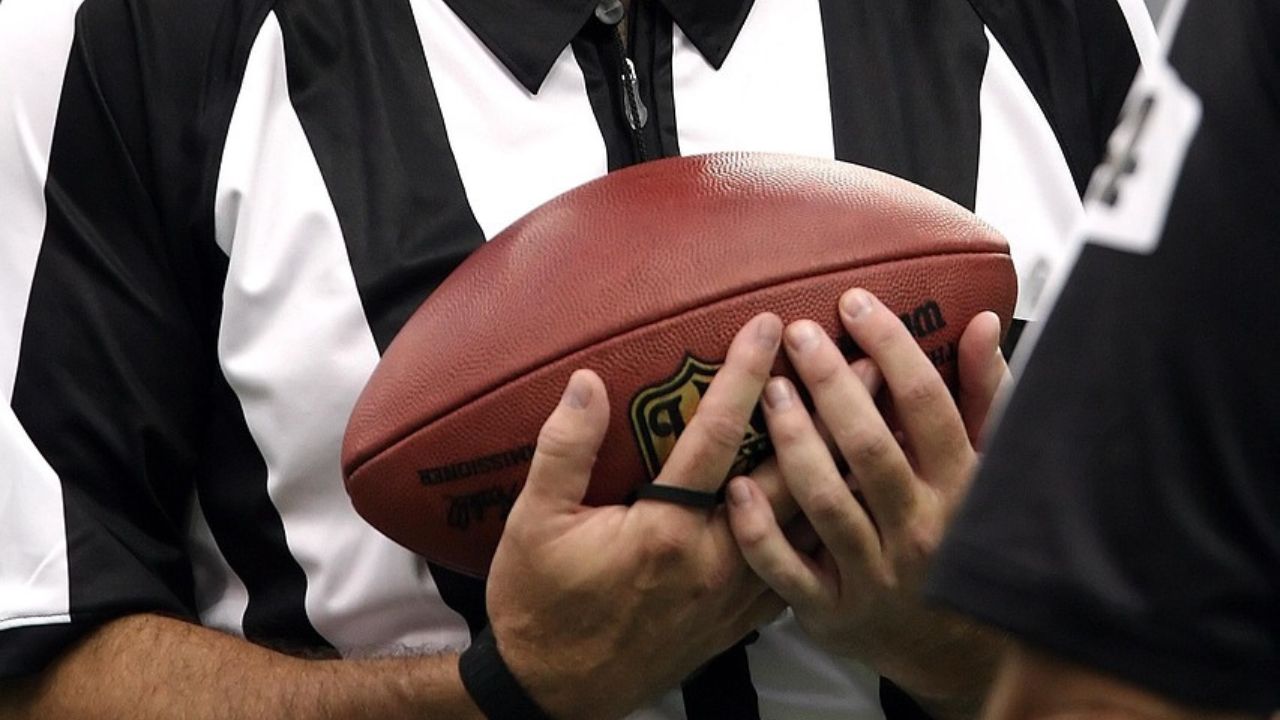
x: 173, y: 49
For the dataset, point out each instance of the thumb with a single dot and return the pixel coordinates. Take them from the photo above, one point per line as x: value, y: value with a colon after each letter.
x: 567, y: 445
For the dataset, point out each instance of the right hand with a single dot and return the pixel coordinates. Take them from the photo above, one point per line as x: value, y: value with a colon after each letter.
x: 859, y: 595
x: 598, y: 609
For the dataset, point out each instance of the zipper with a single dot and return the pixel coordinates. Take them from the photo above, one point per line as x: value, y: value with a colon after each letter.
x: 633, y: 106
x: 611, y: 12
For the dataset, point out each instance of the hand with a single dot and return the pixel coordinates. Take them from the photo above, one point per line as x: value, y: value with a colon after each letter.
x: 859, y: 593
x: 598, y: 609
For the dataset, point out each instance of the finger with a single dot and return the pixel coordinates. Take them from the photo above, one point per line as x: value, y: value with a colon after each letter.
x: 707, y: 448
x: 818, y: 487
x: 982, y: 370
x: 850, y: 414
x: 921, y: 399
x: 794, y: 577
x: 567, y: 445
x: 867, y: 372
x: 768, y: 477
x: 869, y: 375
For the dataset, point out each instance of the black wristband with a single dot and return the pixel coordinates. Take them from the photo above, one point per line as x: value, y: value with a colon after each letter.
x: 491, y: 685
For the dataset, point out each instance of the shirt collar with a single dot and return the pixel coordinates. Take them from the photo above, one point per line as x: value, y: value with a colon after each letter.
x: 528, y: 35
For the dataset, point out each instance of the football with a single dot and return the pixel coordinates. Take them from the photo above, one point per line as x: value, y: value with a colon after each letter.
x: 643, y: 276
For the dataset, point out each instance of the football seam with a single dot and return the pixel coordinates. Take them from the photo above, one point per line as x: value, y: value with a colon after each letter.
x: 371, y: 455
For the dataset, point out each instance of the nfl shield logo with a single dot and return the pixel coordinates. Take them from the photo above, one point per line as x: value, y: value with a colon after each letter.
x: 661, y: 412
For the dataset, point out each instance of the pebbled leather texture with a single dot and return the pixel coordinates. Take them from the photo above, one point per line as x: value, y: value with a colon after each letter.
x: 627, y: 275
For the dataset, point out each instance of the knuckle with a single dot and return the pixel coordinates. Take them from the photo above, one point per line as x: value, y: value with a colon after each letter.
x: 785, y: 579
x: 886, y: 579
x: 920, y: 541
x: 717, y: 578
x: 557, y: 440
x: 869, y: 449
x: 665, y: 544
x: 721, y: 431
x: 920, y: 393
x: 823, y: 371
x: 751, y: 534
x: 788, y: 429
x: 827, y: 505
x: 758, y: 370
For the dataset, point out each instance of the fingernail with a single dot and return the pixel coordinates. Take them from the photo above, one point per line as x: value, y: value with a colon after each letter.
x: 777, y: 394
x: 768, y: 329
x: 577, y: 393
x: 739, y: 495
x: 803, y: 336
x: 855, y: 303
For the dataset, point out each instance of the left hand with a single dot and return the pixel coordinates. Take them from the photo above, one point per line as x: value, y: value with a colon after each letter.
x: 859, y: 593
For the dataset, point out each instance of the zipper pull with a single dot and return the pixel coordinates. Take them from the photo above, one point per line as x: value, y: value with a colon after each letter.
x: 637, y: 113
x: 610, y: 12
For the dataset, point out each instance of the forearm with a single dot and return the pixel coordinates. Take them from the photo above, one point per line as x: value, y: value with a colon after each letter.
x: 146, y: 666
x: 951, y: 669
x: 1031, y: 685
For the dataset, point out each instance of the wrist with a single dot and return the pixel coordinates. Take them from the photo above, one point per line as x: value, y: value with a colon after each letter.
x: 571, y: 683
x: 952, y: 679
x: 492, y: 686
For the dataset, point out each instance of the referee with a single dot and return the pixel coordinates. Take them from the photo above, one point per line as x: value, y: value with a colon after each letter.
x: 1126, y: 524
x: 218, y: 213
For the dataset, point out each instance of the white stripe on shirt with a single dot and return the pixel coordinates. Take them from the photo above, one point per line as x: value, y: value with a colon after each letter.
x: 296, y: 348
x: 35, y: 43
x: 771, y: 94
x: 514, y: 150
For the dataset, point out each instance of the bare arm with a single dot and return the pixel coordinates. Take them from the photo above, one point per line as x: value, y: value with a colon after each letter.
x: 1031, y: 684
x: 148, y: 666
x: 584, y: 601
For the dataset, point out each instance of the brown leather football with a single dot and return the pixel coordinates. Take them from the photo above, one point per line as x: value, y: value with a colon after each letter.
x: 643, y: 276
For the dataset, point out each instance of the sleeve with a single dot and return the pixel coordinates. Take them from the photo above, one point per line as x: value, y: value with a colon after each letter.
x: 1127, y: 515
x: 104, y: 360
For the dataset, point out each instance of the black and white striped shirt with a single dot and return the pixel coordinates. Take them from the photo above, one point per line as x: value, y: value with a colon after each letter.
x: 215, y: 214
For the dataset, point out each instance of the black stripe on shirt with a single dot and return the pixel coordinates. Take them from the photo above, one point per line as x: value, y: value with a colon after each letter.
x: 25, y: 651
x: 125, y: 295
x: 232, y: 478
x: 1079, y: 60
x: 905, y: 80
x: 250, y: 534
x: 359, y: 81
x: 112, y: 369
x: 722, y: 688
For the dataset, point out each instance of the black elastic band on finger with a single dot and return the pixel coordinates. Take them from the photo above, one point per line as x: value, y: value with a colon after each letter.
x: 678, y: 496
